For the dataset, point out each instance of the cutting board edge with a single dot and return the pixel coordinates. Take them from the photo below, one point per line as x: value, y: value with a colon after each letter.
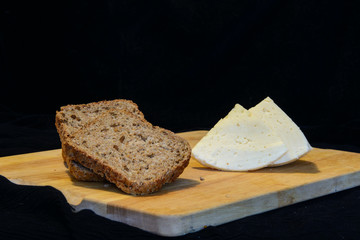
x: 182, y: 224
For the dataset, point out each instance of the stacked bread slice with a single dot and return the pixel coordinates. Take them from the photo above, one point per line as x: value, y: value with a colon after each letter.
x: 112, y: 140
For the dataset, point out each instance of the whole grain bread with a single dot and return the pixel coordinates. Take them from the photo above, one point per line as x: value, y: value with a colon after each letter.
x: 72, y: 118
x: 127, y: 150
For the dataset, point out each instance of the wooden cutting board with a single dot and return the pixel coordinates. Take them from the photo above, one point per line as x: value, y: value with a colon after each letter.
x: 200, y: 197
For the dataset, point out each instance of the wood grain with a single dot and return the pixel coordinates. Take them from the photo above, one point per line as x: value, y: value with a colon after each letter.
x: 201, y: 196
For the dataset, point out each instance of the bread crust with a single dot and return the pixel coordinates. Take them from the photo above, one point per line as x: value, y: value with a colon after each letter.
x: 76, y: 170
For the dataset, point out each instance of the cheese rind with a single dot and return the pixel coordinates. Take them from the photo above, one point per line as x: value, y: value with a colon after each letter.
x: 276, y: 119
x: 239, y: 142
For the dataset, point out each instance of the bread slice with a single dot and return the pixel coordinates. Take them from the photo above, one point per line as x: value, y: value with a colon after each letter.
x: 72, y: 118
x: 136, y: 156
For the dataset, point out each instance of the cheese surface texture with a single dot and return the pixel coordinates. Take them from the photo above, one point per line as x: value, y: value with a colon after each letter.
x: 244, y: 140
x: 239, y: 142
x: 276, y: 119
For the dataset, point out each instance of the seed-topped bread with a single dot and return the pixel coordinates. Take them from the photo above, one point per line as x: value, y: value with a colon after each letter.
x: 71, y: 118
x: 128, y: 151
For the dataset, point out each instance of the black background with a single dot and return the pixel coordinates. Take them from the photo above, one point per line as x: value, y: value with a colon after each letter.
x: 186, y: 63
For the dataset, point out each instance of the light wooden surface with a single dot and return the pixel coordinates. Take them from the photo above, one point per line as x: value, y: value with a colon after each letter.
x: 201, y: 196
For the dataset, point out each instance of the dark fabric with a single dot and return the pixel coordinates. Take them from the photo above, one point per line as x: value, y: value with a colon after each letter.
x: 188, y: 58
x: 185, y: 63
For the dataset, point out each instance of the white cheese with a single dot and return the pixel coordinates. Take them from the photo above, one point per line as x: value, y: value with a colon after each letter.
x: 239, y: 142
x: 284, y: 127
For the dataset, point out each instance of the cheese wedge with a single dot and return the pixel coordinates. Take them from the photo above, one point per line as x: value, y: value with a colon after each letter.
x: 285, y: 128
x: 239, y: 142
